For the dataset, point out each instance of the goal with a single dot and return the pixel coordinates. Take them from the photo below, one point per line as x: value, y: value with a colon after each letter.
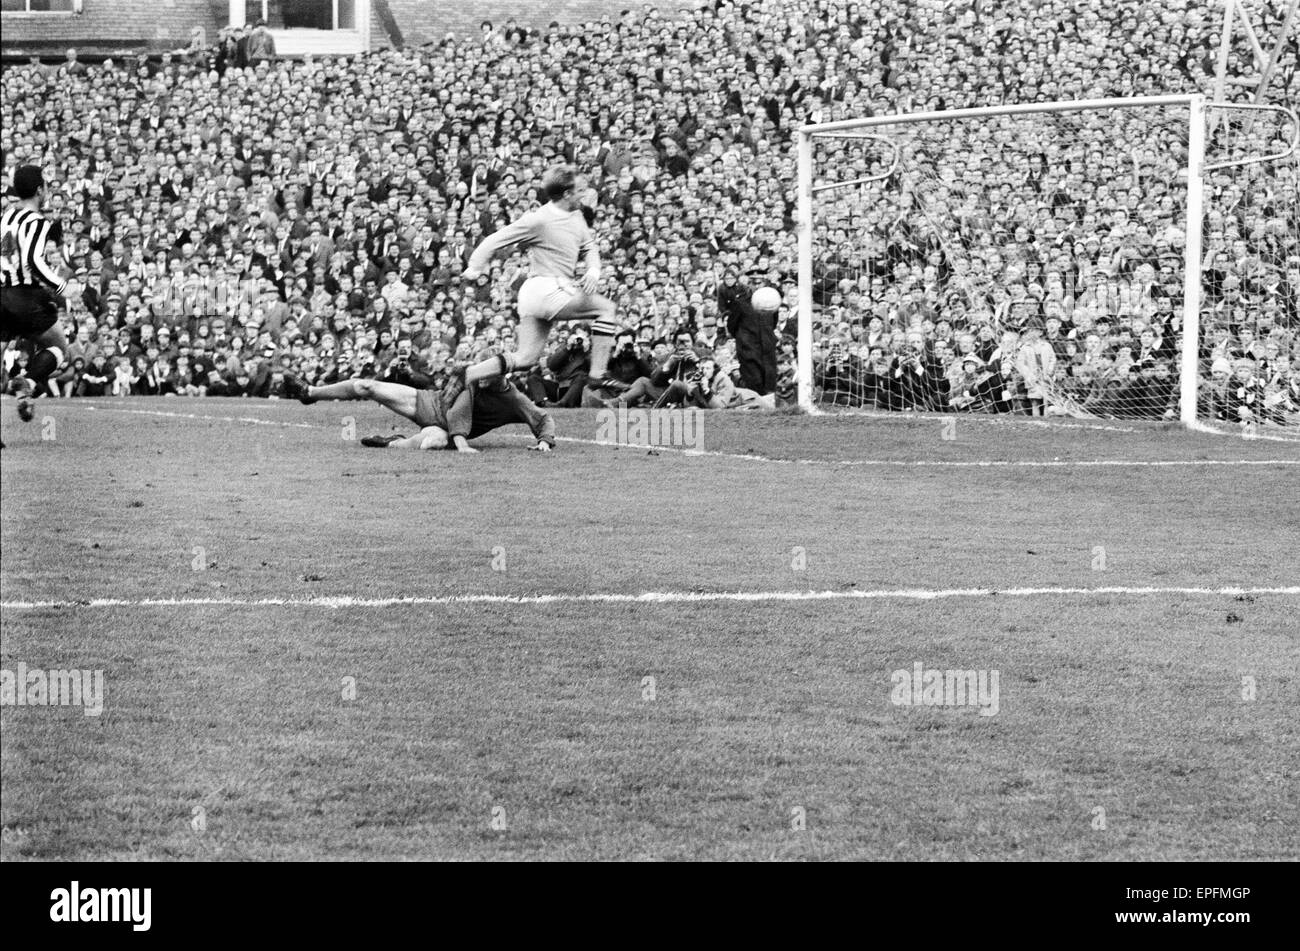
x: 1120, y: 258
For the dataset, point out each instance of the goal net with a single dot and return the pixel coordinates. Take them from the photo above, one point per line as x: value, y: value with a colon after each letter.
x: 1122, y: 259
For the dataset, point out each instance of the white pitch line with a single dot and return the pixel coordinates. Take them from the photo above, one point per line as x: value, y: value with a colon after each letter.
x: 753, y: 457
x: 1018, y: 422
x: 648, y: 597
x: 251, y: 420
x: 1021, y: 422
x: 941, y: 463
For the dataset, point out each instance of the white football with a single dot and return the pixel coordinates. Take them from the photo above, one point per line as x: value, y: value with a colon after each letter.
x: 766, y: 300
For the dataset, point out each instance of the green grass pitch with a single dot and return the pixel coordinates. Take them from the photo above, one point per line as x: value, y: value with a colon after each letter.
x: 1147, y: 722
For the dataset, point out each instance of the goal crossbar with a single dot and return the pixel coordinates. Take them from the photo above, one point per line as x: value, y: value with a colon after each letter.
x: 978, y: 112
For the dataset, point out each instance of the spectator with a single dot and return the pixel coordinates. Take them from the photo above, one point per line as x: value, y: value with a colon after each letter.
x: 1036, y: 364
x: 679, y: 367
x: 71, y: 65
x: 626, y: 366
x: 568, y: 367
x: 261, y: 45
x: 94, y: 381
x: 708, y: 388
x: 1246, y: 394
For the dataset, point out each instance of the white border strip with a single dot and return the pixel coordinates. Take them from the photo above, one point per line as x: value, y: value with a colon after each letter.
x: 648, y: 597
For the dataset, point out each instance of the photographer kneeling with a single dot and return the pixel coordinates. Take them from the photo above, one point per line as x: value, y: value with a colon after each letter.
x: 707, y: 388
x: 680, y: 366
x: 569, y: 366
x: 626, y: 366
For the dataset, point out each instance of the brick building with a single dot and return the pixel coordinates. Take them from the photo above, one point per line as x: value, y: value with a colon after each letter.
x: 99, y: 28
x: 115, y: 27
x: 422, y: 21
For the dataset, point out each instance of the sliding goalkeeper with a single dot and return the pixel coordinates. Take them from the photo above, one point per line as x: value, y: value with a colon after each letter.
x: 475, y: 411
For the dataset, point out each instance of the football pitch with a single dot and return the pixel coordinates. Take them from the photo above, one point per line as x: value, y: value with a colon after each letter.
x: 311, y: 650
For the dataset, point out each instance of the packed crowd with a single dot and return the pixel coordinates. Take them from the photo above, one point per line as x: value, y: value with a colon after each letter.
x: 230, y: 217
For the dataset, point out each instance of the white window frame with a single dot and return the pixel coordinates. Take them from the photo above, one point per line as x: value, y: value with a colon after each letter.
x: 335, y: 20
x: 27, y: 11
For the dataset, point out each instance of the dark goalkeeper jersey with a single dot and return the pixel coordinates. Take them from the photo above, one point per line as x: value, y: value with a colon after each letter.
x: 501, y: 404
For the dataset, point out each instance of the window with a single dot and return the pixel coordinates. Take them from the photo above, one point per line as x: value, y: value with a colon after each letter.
x: 36, y: 6
x: 309, y: 15
x: 300, y: 14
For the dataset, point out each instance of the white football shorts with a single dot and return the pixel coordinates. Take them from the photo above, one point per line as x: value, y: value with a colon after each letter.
x: 542, y: 298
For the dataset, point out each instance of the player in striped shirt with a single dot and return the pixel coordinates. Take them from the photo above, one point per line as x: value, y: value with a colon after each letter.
x: 557, y: 238
x: 30, y: 290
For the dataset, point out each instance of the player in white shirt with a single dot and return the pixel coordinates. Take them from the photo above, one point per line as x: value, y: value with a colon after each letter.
x: 557, y: 239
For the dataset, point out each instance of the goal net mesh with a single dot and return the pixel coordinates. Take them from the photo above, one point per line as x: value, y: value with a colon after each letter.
x: 1034, y: 264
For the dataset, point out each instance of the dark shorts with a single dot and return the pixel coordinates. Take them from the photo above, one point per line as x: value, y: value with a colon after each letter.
x: 429, y: 410
x: 26, y: 311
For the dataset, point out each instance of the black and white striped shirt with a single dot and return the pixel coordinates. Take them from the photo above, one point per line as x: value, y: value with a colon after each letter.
x: 23, y: 237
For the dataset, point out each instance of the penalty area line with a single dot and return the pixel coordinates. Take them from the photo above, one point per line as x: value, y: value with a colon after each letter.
x: 646, y: 597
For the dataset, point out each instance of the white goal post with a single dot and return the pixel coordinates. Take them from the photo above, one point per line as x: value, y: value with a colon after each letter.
x: 875, y: 128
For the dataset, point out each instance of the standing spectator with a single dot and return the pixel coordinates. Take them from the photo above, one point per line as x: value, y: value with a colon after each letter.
x: 1036, y: 364
x: 261, y: 45
x: 71, y: 65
